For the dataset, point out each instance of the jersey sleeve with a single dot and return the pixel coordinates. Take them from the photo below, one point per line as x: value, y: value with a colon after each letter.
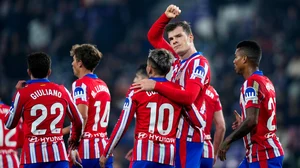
x: 15, y: 112
x: 179, y: 95
x: 156, y: 34
x: 216, y: 102
x: 198, y: 72
x: 123, y: 123
x: 75, y: 117
x: 80, y: 93
x: 253, y: 94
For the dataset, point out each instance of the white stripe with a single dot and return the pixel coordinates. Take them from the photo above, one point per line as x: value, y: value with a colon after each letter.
x: 172, y: 154
x: 65, y: 151
x: 44, y: 152
x: 16, y: 159
x: 74, y: 105
x: 206, y: 71
x: 180, y: 126
x: 150, y: 151
x: 199, y: 117
x: 86, y: 149
x: 266, y: 153
x: 9, y: 161
x: 139, y: 150
x: 32, y: 153
x: 250, y: 153
x: 122, y: 125
x: 161, y: 153
x: 12, y: 111
x: 205, y: 150
x: 104, y: 143
x: 190, y: 133
x: 196, y: 64
x: 73, y: 89
x: 56, y: 152
x: 1, y: 161
x: 97, y: 151
x: 276, y: 150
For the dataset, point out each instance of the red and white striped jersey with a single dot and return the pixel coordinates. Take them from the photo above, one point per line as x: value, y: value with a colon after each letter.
x: 10, y: 140
x: 194, y: 69
x: 261, y: 143
x: 212, y: 105
x: 93, y: 92
x: 156, y: 123
x: 43, y: 106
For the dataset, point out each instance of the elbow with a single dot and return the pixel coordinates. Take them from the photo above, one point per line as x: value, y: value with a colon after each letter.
x: 221, y: 128
x: 252, y: 123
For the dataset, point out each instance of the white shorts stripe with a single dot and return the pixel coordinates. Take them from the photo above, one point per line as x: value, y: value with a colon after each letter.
x: 172, y: 154
x: 56, y: 152
x: 205, y: 150
x: 96, y: 145
x: 65, y: 151
x: 275, y: 148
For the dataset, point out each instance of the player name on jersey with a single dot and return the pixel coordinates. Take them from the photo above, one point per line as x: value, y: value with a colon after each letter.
x: 45, y: 92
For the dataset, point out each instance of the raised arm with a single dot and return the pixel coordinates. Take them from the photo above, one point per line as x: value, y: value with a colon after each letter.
x: 156, y: 32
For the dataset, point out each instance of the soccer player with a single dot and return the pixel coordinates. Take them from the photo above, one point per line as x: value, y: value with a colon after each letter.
x: 156, y: 119
x: 10, y: 140
x: 190, y: 70
x: 141, y: 73
x: 214, y: 113
x: 43, y: 106
x: 92, y: 98
x: 258, y: 103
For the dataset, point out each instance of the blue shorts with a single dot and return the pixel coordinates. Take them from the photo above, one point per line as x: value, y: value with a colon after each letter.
x: 270, y: 163
x: 94, y: 163
x: 207, y: 162
x: 148, y: 164
x: 188, y: 154
x: 60, y: 164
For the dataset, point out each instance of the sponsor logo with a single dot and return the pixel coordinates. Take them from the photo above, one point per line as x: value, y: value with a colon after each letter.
x: 34, y: 139
x: 126, y: 104
x: 142, y: 135
x: 79, y: 92
x: 88, y: 135
x: 199, y: 72
x: 158, y: 138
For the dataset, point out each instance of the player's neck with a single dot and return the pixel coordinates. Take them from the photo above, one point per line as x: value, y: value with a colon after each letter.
x: 157, y: 76
x: 249, y: 71
x: 83, y: 73
x: 190, y: 52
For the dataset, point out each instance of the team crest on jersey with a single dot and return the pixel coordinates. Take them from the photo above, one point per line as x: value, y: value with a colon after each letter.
x: 126, y: 104
x: 79, y: 92
x: 199, y: 72
x: 250, y: 94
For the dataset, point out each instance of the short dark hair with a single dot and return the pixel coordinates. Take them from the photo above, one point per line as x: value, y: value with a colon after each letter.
x: 160, y: 60
x: 142, y: 69
x: 39, y: 64
x: 252, y: 50
x: 184, y: 24
x: 88, y: 54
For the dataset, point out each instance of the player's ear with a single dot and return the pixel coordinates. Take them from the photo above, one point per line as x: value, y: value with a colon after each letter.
x: 191, y: 37
x: 245, y: 59
x: 49, y: 72
x: 28, y: 72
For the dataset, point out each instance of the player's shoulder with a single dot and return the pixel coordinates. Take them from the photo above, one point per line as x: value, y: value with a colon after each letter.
x: 175, y: 85
x: 211, y: 92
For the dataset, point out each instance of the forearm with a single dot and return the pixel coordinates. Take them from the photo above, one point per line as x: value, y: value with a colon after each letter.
x: 241, y: 131
x: 218, y: 138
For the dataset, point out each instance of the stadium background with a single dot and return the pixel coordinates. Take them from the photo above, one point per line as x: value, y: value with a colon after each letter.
x: 119, y: 29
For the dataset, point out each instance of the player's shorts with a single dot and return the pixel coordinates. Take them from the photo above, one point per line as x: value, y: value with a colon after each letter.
x: 188, y: 154
x: 269, y: 163
x: 94, y: 163
x: 207, y: 162
x: 60, y: 164
x: 148, y: 164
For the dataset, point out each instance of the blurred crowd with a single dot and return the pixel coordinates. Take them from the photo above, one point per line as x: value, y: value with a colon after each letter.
x: 119, y: 29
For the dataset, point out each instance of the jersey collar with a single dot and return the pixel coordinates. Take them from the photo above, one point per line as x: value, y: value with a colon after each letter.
x: 94, y: 76
x: 193, y: 55
x: 260, y: 73
x: 159, y: 79
x: 37, y: 81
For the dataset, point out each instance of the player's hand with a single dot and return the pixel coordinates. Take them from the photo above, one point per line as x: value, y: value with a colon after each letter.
x: 144, y: 85
x: 102, y: 161
x: 238, y: 120
x: 75, y: 159
x: 215, y: 159
x: 172, y: 11
x: 20, y: 84
x: 129, y: 155
x: 223, y: 149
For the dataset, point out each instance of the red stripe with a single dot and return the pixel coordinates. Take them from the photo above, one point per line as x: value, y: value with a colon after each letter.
x: 182, y: 151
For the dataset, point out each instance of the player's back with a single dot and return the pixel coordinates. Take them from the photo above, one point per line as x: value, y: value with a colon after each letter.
x: 93, y: 92
x: 156, y: 124
x: 44, y: 106
x: 10, y: 140
x: 259, y: 90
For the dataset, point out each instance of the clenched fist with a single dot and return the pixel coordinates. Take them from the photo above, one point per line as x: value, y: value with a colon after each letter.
x: 172, y: 11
